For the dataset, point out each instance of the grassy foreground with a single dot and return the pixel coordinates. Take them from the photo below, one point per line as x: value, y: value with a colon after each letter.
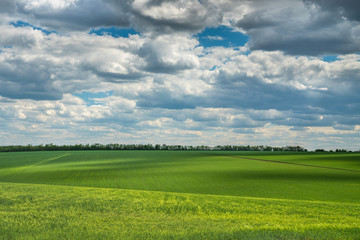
x: 179, y: 195
x: 59, y: 212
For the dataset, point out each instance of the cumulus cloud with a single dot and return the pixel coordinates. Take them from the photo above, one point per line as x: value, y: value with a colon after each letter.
x: 75, y: 15
x: 146, y: 16
x: 28, y: 80
x: 300, y: 29
x: 169, y: 53
x: 275, y: 81
x: 345, y: 8
x: 174, y: 16
x: 39, y: 66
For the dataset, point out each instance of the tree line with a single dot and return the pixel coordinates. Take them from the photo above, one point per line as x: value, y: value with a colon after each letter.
x: 115, y: 146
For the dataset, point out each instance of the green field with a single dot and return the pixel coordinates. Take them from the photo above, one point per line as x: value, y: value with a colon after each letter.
x: 179, y: 195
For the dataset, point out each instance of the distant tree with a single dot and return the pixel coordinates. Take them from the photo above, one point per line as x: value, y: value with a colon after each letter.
x: 341, y: 150
x: 115, y: 146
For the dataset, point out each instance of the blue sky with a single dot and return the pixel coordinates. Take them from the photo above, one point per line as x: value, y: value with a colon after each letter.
x: 222, y: 36
x: 330, y: 58
x: 22, y: 24
x: 180, y: 72
x: 114, y: 32
x: 92, y: 98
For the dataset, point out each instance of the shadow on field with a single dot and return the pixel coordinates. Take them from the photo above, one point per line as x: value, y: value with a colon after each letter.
x: 289, y: 175
x: 293, y: 163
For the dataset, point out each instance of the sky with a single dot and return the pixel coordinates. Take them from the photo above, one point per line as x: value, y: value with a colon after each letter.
x: 190, y: 72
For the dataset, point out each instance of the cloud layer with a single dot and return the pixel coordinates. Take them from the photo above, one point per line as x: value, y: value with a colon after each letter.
x: 162, y: 83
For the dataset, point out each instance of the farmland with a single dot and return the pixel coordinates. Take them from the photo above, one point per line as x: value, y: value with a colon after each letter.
x: 179, y: 195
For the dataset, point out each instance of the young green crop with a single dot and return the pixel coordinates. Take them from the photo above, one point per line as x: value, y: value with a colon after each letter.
x: 219, y: 173
x: 179, y: 195
x: 29, y: 211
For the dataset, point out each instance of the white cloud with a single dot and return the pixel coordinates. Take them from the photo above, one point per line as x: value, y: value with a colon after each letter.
x: 45, y: 4
x: 216, y: 38
x: 169, y: 53
x: 299, y: 29
x: 174, y: 16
